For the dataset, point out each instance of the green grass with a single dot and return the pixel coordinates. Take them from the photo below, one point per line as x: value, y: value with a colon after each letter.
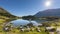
x: 16, y: 31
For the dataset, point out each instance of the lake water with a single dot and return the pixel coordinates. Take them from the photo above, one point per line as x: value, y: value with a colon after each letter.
x: 25, y: 22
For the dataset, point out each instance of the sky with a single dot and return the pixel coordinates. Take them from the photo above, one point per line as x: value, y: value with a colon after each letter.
x: 27, y: 7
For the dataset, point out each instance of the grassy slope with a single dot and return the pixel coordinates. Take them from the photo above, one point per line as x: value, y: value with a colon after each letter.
x: 3, y: 20
x: 16, y: 31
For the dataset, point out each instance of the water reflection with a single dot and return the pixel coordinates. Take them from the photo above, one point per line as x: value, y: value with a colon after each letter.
x: 23, y: 22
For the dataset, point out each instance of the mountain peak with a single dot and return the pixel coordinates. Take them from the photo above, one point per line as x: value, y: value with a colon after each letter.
x: 49, y: 12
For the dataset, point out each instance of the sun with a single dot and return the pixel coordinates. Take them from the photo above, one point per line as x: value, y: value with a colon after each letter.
x: 48, y: 3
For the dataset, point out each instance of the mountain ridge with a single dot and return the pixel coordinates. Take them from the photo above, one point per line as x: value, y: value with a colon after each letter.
x: 49, y: 12
x: 5, y: 15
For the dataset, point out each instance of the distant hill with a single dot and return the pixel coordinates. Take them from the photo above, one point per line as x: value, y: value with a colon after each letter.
x: 4, y: 14
x: 48, y: 13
